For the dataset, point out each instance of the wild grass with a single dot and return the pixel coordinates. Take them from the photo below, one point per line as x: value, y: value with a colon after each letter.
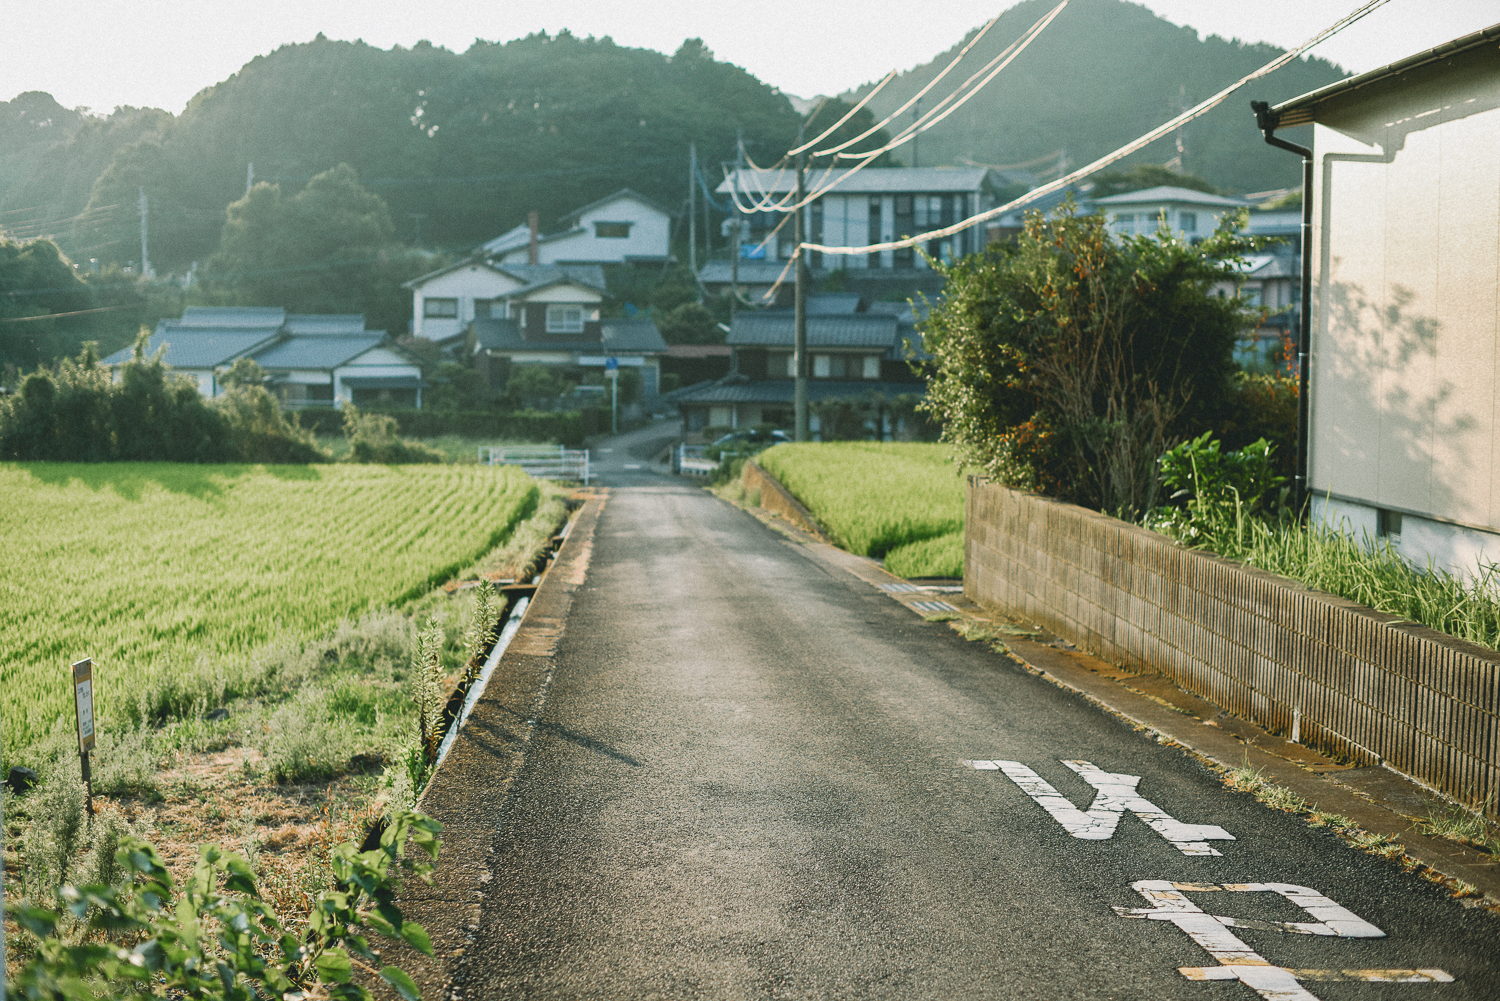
x: 900, y: 501
x: 1365, y: 570
x: 187, y: 582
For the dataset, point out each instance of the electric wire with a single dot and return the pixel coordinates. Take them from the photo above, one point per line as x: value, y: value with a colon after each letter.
x: 915, y: 98
x: 852, y: 112
x: 1161, y: 130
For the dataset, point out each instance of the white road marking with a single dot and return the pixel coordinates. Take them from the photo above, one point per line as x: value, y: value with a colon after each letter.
x: 933, y: 606
x: 1115, y: 794
x: 899, y: 588
x: 1237, y: 961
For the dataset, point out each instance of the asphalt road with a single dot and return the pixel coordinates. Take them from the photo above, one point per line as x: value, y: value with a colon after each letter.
x: 749, y: 781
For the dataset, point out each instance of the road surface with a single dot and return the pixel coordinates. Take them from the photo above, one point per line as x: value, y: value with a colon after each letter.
x: 756, y: 776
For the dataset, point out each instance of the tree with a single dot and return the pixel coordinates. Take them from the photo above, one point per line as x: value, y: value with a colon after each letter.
x: 36, y: 281
x: 690, y: 323
x: 330, y: 248
x: 1068, y: 361
x: 831, y: 110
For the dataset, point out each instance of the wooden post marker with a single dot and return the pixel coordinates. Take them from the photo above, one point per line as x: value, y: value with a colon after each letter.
x: 83, y: 704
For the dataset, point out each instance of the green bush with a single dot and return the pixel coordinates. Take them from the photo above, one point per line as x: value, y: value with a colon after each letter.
x: 373, y: 438
x: 565, y: 427
x: 78, y: 413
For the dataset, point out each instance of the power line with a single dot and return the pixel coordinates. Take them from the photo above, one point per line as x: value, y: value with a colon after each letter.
x: 1196, y: 112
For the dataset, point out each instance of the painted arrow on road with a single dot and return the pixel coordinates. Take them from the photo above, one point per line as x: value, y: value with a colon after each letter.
x: 1115, y: 795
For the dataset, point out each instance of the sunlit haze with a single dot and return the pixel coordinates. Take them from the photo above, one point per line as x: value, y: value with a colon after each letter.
x: 161, y: 54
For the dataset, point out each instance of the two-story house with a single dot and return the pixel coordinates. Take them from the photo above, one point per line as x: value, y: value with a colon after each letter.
x: 1191, y: 215
x: 624, y: 228
x: 561, y: 297
x: 854, y: 353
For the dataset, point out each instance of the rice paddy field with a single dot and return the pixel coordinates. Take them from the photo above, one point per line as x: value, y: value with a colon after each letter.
x: 902, y: 502
x: 149, y: 568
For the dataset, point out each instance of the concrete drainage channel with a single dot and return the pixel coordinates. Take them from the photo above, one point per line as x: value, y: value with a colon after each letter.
x: 477, y: 673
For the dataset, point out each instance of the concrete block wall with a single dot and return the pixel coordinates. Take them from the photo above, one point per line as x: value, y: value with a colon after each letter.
x: 1351, y: 680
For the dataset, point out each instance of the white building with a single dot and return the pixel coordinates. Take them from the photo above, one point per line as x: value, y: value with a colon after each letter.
x: 874, y: 205
x: 624, y: 228
x: 1405, y: 353
x: 446, y: 301
x: 1191, y: 215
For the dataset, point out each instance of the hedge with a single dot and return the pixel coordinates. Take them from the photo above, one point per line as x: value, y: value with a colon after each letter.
x: 566, y: 427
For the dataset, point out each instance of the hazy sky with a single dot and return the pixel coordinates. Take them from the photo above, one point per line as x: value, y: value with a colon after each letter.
x: 161, y: 52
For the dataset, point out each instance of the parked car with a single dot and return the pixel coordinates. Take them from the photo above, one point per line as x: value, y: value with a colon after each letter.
x: 746, y: 441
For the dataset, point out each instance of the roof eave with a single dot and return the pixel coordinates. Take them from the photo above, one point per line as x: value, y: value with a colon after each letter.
x: 1298, y: 110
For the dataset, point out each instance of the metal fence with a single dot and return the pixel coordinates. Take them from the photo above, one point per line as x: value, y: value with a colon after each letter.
x: 691, y: 460
x: 549, y: 462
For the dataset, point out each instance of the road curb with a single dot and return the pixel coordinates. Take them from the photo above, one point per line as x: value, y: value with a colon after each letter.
x: 468, y: 791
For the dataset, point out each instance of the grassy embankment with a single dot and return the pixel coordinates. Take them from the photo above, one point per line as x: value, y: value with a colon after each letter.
x: 253, y: 632
x: 902, y: 502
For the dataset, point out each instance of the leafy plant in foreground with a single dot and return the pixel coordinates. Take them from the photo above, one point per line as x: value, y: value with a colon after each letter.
x: 216, y: 938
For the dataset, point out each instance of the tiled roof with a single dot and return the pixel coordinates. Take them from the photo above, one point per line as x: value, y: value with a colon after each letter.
x: 233, y: 316
x: 784, y: 391
x: 197, y: 347
x: 622, y: 193
x: 1168, y: 193
x: 322, y: 324
x: 539, y: 275
x: 830, y: 303
x: 859, y: 330
x: 320, y: 352
x: 751, y: 272
x: 633, y: 334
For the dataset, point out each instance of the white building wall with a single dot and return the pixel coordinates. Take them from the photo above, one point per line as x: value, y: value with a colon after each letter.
x: 465, y: 284
x: 650, y: 236
x: 1407, y: 217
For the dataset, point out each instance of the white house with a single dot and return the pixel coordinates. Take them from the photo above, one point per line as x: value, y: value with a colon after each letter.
x: 1402, y: 441
x: 625, y: 227
x: 312, y: 360
x: 446, y: 301
x: 1191, y: 215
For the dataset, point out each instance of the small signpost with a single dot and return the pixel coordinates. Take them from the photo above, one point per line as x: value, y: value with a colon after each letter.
x: 612, y: 373
x: 83, y: 704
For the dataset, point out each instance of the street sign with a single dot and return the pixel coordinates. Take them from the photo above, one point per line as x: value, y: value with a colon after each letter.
x: 611, y: 365
x: 83, y: 701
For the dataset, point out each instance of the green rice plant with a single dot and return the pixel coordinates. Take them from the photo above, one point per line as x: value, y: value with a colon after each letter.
x: 942, y: 556
x: 877, y: 498
x: 198, y: 582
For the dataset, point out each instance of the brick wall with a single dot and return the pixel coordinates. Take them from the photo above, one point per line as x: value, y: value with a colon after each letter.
x: 1356, y: 682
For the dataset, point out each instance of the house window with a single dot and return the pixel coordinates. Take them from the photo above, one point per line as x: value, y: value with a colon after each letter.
x: 822, y: 367
x: 871, y: 369
x: 445, y: 309
x: 489, y: 309
x: 1126, y: 222
x: 905, y: 225
x: 874, y: 234
x: 1189, y: 222
x: 564, y: 319
x: 612, y: 230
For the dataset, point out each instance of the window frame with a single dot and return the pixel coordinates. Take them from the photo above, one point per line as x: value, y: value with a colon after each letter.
x: 601, y: 224
x: 429, y: 312
x: 561, y: 326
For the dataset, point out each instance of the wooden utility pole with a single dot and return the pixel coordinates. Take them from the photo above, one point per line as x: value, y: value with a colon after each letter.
x: 692, y: 209
x: 799, y: 322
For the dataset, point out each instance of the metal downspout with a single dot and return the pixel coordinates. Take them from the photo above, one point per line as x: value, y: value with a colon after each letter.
x: 1267, y: 123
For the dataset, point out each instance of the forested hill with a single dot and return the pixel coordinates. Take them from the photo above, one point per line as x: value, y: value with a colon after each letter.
x: 468, y: 142
x: 1103, y: 73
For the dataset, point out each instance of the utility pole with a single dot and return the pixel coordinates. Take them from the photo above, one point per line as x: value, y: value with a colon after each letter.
x: 799, y: 321
x: 145, y: 258
x: 916, y: 114
x: 692, y: 209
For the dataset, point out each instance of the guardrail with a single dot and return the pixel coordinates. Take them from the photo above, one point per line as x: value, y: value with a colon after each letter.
x: 690, y: 460
x: 550, y: 462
